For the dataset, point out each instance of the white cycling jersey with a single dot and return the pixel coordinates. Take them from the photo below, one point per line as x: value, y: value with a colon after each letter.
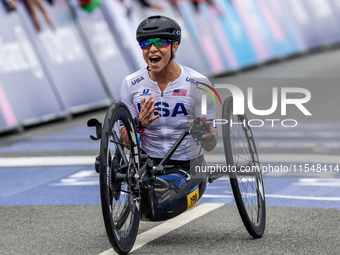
x: 180, y: 102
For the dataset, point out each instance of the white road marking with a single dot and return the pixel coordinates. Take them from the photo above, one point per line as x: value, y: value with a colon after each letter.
x: 47, y: 161
x: 324, y: 182
x: 79, y: 183
x: 169, y: 226
x: 280, y: 196
x: 81, y: 178
x: 211, y: 159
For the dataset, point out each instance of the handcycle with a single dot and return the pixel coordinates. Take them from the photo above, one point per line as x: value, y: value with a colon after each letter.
x: 134, y: 187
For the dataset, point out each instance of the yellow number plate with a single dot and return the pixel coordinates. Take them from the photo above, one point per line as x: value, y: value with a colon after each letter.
x: 192, y: 196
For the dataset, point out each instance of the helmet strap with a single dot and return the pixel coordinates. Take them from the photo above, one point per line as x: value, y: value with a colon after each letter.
x: 171, y: 56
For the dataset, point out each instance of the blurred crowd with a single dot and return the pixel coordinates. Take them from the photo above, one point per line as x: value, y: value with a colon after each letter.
x: 34, y: 6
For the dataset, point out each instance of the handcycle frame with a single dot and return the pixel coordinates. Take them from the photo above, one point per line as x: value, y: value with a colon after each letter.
x: 149, y: 166
x: 139, y: 177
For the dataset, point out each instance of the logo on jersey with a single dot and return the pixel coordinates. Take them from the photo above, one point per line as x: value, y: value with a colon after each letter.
x: 145, y: 93
x: 193, y: 81
x: 137, y: 80
x: 165, y: 110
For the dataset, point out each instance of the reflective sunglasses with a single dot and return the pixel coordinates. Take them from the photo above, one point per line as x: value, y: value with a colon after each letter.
x: 158, y: 42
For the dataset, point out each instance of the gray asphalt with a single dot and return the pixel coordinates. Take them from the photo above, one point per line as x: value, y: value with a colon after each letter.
x: 288, y: 231
x: 80, y: 229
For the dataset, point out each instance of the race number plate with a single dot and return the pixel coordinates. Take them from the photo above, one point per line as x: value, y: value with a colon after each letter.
x: 192, y: 196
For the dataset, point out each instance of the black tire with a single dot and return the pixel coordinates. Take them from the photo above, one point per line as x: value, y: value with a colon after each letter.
x: 120, y: 210
x: 247, y: 184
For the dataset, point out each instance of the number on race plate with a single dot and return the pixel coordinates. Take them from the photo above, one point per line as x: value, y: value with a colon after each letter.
x: 192, y: 196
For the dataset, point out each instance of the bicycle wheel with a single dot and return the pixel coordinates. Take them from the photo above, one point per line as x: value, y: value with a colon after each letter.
x: 118, y: 164
x: 245, y: 175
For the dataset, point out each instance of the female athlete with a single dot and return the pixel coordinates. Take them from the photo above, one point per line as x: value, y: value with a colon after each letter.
x: 164, y: 97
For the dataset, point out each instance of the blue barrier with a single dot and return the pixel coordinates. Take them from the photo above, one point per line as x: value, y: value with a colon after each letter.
x: 122, y: 24
x: 25, y: 93
x: 8, y: 120
x: 258, y: 30
x: 336, y: 10
x: 280, y: 40
x: 103, y: 47
x: 237, y: 36
x: 279, y: 9
x: 81, y: 63
x: 63, y: 53
x: 323, y: 22
x: 3, y: 124
x: 304, y: 22
x: 202, y: 35
x: 212, y: 17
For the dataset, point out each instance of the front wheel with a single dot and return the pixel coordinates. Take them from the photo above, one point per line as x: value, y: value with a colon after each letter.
x: 118, y: 164
x: 245, y: 174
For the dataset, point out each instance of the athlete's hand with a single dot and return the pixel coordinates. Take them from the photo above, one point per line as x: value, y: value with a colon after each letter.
x: 146, y: 111
x: 209, y: 126
x: 208, y: 145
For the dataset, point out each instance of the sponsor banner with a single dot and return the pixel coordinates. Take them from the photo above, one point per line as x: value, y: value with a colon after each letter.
x: 281, y: 41
x: 7, y: 116
x: 212, y: 14
x: 336, y: 9
x: 26, y: 96
x: 65, y: 56
x: 279, y: 10
x: 108, y: 57
x: 304, y: 20
x: 201, y: 33
x: 236, y: 34
x: 124, y: 19
x: 3, y: 124
x: 264, y: 32
x: 188, y: 53
x: 323, y: 21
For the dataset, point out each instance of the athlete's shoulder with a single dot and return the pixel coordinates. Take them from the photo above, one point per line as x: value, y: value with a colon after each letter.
x: 192, y: 73
x: 136, y: 77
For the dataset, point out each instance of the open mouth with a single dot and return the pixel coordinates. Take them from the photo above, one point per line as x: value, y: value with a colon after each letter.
x: 155, y: 59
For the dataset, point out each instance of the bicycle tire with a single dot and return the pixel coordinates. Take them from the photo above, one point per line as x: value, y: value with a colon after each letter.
x: 244, y: 170
x: 120, y: 210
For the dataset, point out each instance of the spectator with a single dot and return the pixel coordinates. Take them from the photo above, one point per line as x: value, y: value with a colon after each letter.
x: 11, y: 4
x: 32, y: 6
x: 144, y: 3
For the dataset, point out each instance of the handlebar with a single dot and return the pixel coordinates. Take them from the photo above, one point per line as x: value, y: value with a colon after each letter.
x: 198, y: 129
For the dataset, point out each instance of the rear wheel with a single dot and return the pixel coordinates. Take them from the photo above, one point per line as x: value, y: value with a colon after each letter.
x: 245, y: 175
x: 118, y: 164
